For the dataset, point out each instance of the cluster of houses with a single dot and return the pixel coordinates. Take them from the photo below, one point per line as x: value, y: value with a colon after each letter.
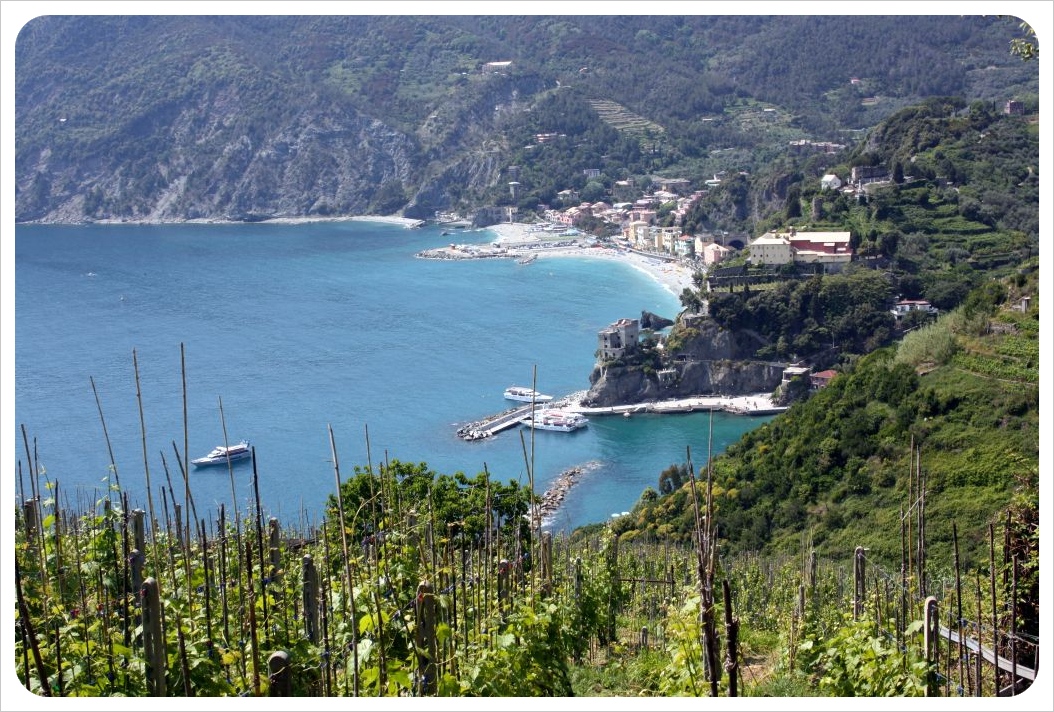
x: 817, y: 380
x: 637, y: 220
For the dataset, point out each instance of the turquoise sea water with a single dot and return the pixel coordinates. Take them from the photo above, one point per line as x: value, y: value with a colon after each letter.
x: 303, y: 328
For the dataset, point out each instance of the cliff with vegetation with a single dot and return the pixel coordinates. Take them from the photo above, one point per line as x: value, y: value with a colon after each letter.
x: 955, y: 403
x: 699, y: 357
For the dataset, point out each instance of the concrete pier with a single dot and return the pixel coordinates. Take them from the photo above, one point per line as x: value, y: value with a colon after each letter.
x: 755, y: 404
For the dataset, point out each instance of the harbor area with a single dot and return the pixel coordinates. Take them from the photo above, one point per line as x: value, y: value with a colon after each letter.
x: 753, y: 404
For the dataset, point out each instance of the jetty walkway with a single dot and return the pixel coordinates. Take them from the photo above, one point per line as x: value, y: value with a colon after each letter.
x: 494, y: 424
x: 755, y: 404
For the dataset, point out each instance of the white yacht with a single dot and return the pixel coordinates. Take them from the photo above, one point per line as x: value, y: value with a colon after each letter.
x: 526, y: 395
x: 221, y: 455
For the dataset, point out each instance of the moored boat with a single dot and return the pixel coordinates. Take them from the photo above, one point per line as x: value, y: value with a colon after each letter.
x: 221, y: 455
x: 526, y: 395
x: 555, y: 420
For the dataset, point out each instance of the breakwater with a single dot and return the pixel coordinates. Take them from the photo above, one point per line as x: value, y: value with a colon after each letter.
x: 557, y: 491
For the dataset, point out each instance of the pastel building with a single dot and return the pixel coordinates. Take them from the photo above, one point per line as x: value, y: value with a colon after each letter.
x: 904, y: 306
x: 711, y: 252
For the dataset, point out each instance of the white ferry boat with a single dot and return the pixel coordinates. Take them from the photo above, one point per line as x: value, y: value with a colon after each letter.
x: 557, y: 420
x: 526, y: 395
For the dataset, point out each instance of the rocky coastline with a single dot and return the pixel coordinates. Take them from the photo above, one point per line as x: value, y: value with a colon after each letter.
x: 556, y: 493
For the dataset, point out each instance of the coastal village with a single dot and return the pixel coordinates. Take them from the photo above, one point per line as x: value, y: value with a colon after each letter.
x: 673, y: 258
x: 676, y: 260
x: 636, y: 227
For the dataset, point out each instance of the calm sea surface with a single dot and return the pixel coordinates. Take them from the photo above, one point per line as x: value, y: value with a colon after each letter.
x: 297, y: 329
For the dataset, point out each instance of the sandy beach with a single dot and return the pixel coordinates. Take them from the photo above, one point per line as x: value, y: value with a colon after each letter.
x: 519, y: 240
x: 292, y: 220
x: 391, y: 219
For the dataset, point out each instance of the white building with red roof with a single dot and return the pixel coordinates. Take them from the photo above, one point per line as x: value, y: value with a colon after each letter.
x: 779, y: 248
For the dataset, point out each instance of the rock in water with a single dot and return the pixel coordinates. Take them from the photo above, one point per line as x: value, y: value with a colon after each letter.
x: 654, y: 321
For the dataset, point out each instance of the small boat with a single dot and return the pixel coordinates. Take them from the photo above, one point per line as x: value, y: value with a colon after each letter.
x: 221, y: 455
x: 556, y: 420
x: 528, y: 259
x: 526, y: 395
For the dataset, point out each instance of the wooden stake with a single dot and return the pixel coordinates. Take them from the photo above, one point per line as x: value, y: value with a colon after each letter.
x: 253, y: 640
x: 106, y: 436
x: 153, y: 639
x: 996, y: 648
x: 732, y: 642
x: 27, y: 627
x: 424, y: 639
x: 349, y: 597
x: 958, y: 601
x: 280, y: 677
x: 930, y: 644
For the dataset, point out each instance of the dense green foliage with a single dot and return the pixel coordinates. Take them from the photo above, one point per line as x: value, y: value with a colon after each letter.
x: 857, y: 661
x: 460, y: 505
x: 969, y: 209
x: 344, y: 601
x: 600, y: 618
x: 847, y: 313
x: 961, y: 392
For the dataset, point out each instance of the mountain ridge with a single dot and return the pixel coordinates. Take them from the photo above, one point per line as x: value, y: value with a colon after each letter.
x: 243, y: 118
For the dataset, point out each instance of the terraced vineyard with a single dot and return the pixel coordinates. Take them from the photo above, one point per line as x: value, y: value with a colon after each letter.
x: 623, y: 119
x: 401, y: 600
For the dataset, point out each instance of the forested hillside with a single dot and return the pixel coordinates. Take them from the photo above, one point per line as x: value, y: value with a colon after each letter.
x: 957, y: 400
x: 245, y: 118
x: 955, y: 223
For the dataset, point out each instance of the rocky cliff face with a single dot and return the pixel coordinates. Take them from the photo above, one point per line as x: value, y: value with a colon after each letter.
x: 322, y: 161
x: 199, y: 126
x: 209, y: 161
x: 700, y: 359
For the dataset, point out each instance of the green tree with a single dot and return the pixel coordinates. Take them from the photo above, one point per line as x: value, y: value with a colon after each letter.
x: 457, y: 503
x: 792, y: 208
x: 691, y: 300
x: 593, y: 192
x: 1025, y: 46
x: 671, y: 479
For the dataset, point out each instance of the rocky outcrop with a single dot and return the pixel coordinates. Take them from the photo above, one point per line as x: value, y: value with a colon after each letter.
x: 654, y: 321
x: 699, y: 358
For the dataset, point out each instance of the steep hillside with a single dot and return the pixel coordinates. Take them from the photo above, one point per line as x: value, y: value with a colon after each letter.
x: 244, y: 118
x: 954, y: 405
